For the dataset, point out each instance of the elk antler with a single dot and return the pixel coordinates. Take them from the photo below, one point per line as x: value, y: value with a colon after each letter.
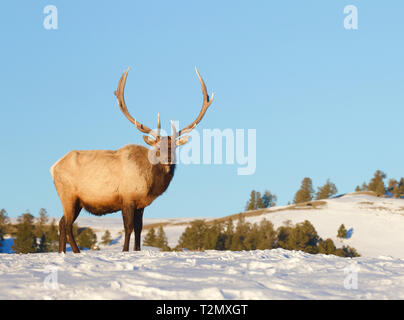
x: 205, y: 105
x: 119, y: 93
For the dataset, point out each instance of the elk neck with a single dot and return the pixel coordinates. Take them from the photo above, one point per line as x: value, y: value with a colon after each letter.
x: 164, y: 173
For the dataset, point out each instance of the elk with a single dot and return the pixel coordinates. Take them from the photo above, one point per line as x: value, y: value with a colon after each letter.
x: 126, y: 180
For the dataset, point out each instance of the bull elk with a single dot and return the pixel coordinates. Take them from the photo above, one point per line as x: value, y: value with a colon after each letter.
x: 127, y: 180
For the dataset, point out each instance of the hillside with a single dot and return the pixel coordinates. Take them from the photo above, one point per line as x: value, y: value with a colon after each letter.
x: 376, y: 224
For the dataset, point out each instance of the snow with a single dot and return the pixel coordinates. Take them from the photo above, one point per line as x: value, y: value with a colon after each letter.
x: 377, y: 225
x: 149, y: 274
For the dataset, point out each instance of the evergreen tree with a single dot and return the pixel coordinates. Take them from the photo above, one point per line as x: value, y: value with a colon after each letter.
x: 87, y: 239
x: 25, y: 241
x: 303, y: 237
x: 252, y: 238
x: 267, y: 235
x: 214, y: 237
x: 239, y: 236
x: 282, y: 235
x: 305, y: 193
x: 161, y: 240
x: 376, y: 184
x: 347, y: 251
x: 398, y: 190
x: 52, y: 237
x: 4, y: 220
x: 259, y: 204
x: 42, y: 221
x: 228, y: 234
x: 269, y: 199
x: 193, y: 237
x: 43, y: 244
x: 150, y: 238
x: 106, y: 238
x: 342, y: 232
x: 252, y: 203
x: 326, y: 247
x: 326, y: 191
x: 392, y: 184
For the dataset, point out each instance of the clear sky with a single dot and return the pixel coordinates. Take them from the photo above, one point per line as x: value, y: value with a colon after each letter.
x: 326, y: 102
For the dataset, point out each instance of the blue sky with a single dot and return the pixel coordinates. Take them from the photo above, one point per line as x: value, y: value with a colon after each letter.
x: 326, y: 102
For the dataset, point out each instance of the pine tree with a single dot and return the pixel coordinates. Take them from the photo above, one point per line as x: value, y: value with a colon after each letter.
x: 398, y: 191
x: 52, y: 237
x: 40, y: 226
x: 269, y: 199
x: 43, y: 244
x: 252, y: 203
x: 161, y: 240
x: 267, y: 235
x: 259, y: 204
x: 326, y: 247
x: 150, y: 238
x: 25, y: 241
x: 342, y: 232
x: 303, y: 237
x: 87, y: 239
x: 239, y: 236
x: 392, y: 184
x: 326, y: 191
x: 376, y: 184
x: 282, y: 236
x: 193, y: 236
x: 305, y: 193
x: 214, y: 237
x: 228, y: 234
x: 106, y: 238
x: 4, y: 221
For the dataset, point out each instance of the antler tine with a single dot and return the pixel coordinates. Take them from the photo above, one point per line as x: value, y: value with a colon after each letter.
x: 158, y: 124
x: 174, y: 130
x: 119, y: 93
x: 205, y: 105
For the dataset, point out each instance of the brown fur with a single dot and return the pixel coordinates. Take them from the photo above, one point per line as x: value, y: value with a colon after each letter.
x: 104, y: 181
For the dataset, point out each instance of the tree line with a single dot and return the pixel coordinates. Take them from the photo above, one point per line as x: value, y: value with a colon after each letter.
x: 201, y: 235
x: 378, y: 186
x: 34, y: 235
x: 307, y: 193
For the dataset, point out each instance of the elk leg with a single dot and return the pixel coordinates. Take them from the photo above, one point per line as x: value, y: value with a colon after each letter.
x: 62, y: 235
x: 71, y: 216
x: 127, y: 216
x: 138, y: 227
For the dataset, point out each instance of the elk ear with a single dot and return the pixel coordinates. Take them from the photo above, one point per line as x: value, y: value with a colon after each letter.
x: 182, y: 140
x: 149, y: 141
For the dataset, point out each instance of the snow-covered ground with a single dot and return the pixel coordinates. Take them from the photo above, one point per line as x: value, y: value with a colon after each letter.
x: 376, y: 232
x: 268, y: 274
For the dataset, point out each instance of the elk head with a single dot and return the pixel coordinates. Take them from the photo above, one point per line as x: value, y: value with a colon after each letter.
x: 163, y: 148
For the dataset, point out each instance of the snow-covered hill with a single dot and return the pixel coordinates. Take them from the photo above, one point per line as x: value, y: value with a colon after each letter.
x: 376, y: 224
x: 376, y: 232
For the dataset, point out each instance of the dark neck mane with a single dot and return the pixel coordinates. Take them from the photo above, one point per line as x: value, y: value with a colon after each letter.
x: 163, y: 174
